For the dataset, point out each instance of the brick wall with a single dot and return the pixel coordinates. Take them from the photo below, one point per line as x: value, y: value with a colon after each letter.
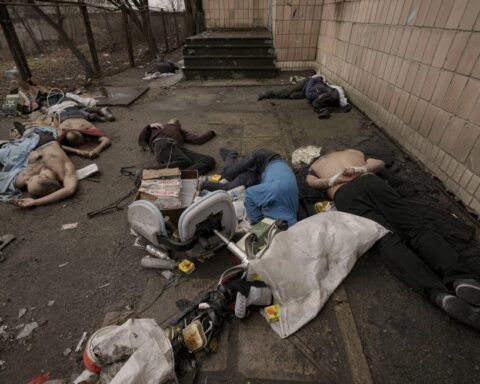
x: 236, y: 14
x: 413, y: 66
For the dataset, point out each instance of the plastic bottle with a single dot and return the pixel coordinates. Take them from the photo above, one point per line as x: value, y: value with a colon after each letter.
x: 155, y: 252
x: 153, y: 262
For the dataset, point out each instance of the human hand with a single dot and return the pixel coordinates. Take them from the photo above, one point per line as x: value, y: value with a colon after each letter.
x: 25, y: 203
x: 346, y: 178
x: 92, y: 154
x: 156, y: 125
x: 349, y: 171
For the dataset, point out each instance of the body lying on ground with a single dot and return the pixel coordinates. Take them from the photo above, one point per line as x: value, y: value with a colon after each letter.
x: 80, y: 137
x: 325, y: 98
x: 37, y: 163
x: 271, y: 187
x: 167, y: 141
x: 414, y: 251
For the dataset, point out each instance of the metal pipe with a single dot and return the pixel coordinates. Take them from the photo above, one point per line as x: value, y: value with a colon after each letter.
x: 233, y: 248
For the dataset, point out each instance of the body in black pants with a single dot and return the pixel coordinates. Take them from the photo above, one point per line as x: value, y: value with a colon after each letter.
x: 172, y: 155
x: 413, y: 251
x: 246, y: 170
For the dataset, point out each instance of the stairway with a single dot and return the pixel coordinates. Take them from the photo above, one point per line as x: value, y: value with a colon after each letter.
x: 229, y: 54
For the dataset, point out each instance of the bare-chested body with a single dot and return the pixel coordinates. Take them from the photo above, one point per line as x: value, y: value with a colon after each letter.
x: 48, y: 161
x: 343, y: 166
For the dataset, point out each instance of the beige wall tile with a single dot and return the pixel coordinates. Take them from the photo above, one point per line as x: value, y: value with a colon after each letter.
x: 456, y: 14
x: 470, y: 54
x: 456, y: 50
x: 443, y: 48
x: 441, y: 88
x: 420, y: 79
x: 465, y: 141
x: 439, y: 126
x: 471, y: 13
x: 432, y: 45
x: 451, y: 134
x: 428, y: 119
x: 473, y: 161
x: 468, y: 98
x: 453, y: 93
x: 430, y: 83
x: 444, y: 13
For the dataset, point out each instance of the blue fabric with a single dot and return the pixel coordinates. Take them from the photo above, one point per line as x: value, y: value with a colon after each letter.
x: 314, y: 87
x: 14, y: 158
x: 276, y: 197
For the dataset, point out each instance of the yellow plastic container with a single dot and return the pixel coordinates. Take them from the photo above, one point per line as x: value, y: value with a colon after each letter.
x: 186, y: 266
x: 272, y: 313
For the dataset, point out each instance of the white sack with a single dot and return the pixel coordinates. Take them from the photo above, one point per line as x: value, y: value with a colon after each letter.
x: 306, y: 263
x: 147, y: 347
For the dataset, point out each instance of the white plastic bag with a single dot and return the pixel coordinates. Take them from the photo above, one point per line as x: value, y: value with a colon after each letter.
x: 306, y: 263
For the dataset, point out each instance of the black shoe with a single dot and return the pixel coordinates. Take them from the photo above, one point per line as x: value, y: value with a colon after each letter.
x: 324, y: 113
x: 458, y: 309
x: 468, y: 290
x: 212, y: 186
x: 224, y: 152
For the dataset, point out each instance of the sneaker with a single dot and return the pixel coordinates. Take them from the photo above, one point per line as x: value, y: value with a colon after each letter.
x: 212, y: 186
x: 458, y: 309
x: 107, y: 114
x: 468, y: 290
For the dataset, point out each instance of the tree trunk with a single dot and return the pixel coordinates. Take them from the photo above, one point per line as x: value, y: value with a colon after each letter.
x: 13, y: 43
x: 66, y: 40
x: 90, y: 40
x: 36, y: 43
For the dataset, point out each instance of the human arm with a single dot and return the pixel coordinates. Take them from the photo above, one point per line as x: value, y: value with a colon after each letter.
x: 257, y: 198
x: 371, y: 166
x: 70, y: 183
x: 191, y: 138
x: 103, y: 143
x: 325, y: 183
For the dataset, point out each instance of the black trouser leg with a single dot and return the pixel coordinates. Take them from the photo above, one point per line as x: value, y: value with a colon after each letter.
x: 202, y: 163
x: 248, y: 169
x: 291, y: 92
x: 430, y: 262
x: 170, y: 155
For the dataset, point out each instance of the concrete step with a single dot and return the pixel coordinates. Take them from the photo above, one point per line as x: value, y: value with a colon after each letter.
x: 226, y: 49
x: 230, y: 61
x: 210, y: 72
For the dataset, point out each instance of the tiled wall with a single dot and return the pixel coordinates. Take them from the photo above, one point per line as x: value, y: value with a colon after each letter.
x: 236, y: 14
x: 296, y: 26
x: 413, y: 66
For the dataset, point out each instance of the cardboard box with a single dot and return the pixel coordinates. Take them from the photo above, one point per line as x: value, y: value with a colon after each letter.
x: 190, y: 176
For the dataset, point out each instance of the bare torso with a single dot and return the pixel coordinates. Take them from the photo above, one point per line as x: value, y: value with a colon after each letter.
x: 334, y: 163
x: 47, y: 158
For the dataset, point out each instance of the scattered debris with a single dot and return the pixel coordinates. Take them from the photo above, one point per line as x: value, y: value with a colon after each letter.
x: 22, y: 312
x: 67, y: 352
x: 80, y: 343
x: 5, y: 240
x: 63, y: 265
x: 87, y: 171
x: 156, y: 75
x: 50, y: 303
x: 104, y: 285
x: 167, y: 274
x: 40, y: 379
x: 69, y: 226
x: 186, y: 266
x: 155, y: 263
x: 139, y: 242
x: 27, y: 330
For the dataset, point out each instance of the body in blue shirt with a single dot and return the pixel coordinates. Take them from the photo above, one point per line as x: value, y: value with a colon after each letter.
x: 276, y: 197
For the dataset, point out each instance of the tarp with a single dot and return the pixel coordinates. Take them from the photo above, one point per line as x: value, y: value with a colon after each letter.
x: 306, y: 263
